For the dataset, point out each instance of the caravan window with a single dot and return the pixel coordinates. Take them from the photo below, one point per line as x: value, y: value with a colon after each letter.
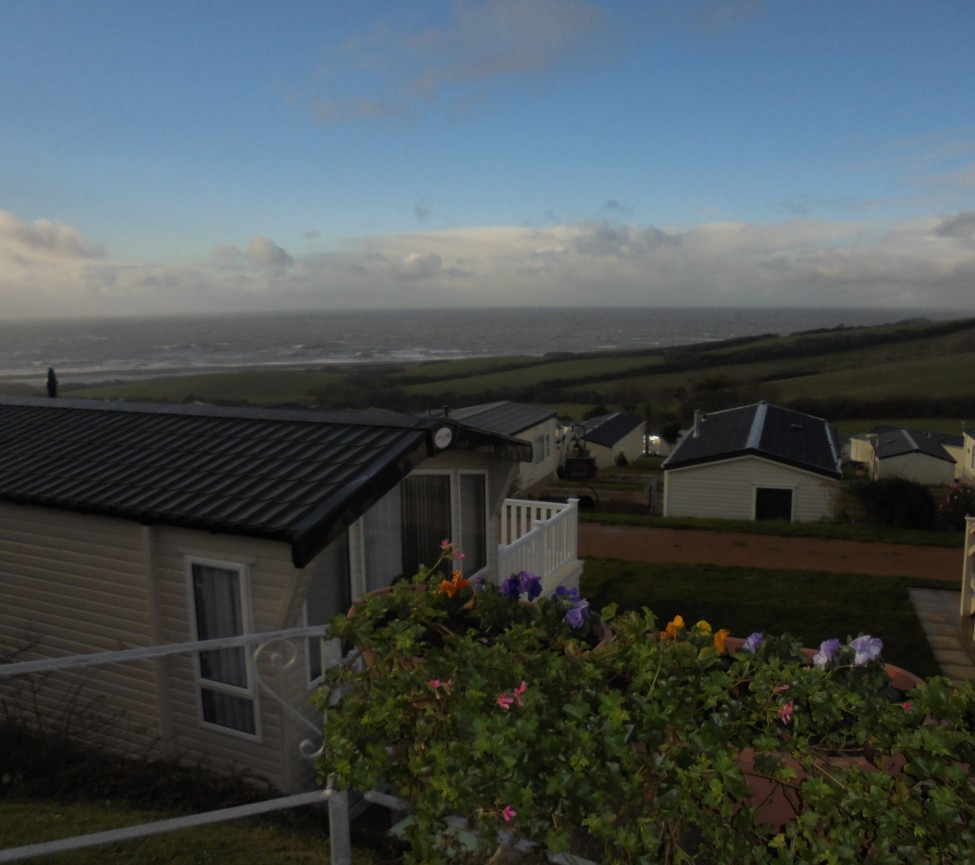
x: 220, y: 606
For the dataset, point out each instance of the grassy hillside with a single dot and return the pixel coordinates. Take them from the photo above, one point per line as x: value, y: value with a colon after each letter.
x: 914, y: 369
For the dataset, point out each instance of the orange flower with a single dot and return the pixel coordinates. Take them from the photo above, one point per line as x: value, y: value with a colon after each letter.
x: 452, y: 586
x: 719, y: 639
x: 674, y: 627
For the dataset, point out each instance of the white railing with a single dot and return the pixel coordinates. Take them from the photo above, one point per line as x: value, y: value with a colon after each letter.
x: 968, y: 582
x: 338, y: 810
x: 540, y: 537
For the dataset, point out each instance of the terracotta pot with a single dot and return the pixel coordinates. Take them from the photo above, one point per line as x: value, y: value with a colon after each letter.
x: 776, y: 803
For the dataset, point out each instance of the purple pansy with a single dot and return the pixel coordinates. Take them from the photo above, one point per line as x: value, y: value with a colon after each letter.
x: 577, y: 614
x: 867, y: 648
x: 511, y: 587
x: 827, y: 649
x: 529, y: 584
x: 753, y: 641
x: 568, y: 594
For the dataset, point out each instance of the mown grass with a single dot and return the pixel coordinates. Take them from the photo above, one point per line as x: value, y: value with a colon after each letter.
x: 30, y: 821
x: 810, y: 605
x: 51, y: 789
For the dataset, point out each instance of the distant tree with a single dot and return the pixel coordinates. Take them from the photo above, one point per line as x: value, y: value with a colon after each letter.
x: 596, y: 411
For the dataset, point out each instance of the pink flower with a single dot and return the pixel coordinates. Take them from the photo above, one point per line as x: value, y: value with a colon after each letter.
x: 436, y: 683
x: 504, y: 701
x: 785, y: 712
x: 780, y: 688
x: 906, y: 706
x: 519, y: 691
x: 509, y: 813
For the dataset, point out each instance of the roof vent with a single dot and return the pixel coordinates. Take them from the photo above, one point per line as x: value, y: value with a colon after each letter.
x: 797, y: 426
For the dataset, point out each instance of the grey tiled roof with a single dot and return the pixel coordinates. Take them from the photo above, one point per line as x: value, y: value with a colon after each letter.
x: 775, y: 433
x: 295, y: 476
x: 898, y: 442
x: 608, y: 429
x: 506, y: 417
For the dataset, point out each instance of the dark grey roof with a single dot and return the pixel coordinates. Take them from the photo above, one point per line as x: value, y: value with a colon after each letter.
x: 778, y: 434
x: 296, y: 476
x: 943, y: 438
x: 506, y: 417
x: 610, y: 429
x: 899, y: 442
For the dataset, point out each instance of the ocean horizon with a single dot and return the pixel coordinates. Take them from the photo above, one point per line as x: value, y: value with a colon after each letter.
x: 107, y: 348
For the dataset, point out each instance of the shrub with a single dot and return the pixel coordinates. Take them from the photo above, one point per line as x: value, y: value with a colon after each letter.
x: 653, y: 746
x: 958, y: 503
x: 896, y: 502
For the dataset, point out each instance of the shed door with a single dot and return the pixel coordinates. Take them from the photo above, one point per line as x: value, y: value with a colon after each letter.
x: 773, y: 503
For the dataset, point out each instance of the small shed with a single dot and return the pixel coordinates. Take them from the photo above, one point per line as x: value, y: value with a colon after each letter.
x: 754, y: 462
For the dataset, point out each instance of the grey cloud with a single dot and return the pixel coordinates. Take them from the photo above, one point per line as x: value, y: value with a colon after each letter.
x: 263, y: 253
x: 421, y: 266
x: 481, y: 41
x: 962, y: 226
x: 716, y: 16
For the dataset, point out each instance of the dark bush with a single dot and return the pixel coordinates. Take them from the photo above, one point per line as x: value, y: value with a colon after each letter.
x: 896, y: 502
x: 958, y: 503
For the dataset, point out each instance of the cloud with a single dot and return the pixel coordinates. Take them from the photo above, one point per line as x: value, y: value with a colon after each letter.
x: 396, y: 69
x: 265, y: 254
x: 43, y: 239
x: 798, y: 262
x: 716, y: 16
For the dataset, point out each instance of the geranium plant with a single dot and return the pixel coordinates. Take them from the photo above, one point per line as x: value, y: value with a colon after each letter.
x: 492, y: 715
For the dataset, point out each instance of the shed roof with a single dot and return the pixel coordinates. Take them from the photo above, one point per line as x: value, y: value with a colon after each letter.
x: 610, y: 429
x: 772, y: 432
x: 296, y: 476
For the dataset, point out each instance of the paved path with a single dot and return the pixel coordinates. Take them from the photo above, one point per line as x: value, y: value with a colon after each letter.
x: 937, y: 610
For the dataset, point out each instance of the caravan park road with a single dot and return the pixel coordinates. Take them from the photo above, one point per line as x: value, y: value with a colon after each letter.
x: 687, y: 546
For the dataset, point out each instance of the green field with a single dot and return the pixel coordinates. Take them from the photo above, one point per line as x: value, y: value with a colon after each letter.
x: 911, y: 370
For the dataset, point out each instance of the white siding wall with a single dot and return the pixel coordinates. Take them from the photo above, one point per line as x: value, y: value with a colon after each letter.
x: 275, y: 604
x: 920, y: 468
x: 72, y: 584
x: 532, y: 473
x: 727, y: 490
x: 968, y: 458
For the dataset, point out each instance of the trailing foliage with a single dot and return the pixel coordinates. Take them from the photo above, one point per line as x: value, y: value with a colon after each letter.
x: 661, y: 745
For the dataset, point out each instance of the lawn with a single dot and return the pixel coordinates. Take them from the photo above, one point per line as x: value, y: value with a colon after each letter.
x: 29, y: 821
x: 810, y: 605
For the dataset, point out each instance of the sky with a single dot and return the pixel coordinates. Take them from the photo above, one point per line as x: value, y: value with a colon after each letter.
x: 235, y: 155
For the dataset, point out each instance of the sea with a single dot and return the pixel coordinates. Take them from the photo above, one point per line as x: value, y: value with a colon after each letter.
x: 86, y: 350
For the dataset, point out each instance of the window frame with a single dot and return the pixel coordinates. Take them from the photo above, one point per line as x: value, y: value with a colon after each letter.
x: 202, y: 683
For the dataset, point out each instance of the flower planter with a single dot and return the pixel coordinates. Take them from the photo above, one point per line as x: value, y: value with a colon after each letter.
x: 776, y: 802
